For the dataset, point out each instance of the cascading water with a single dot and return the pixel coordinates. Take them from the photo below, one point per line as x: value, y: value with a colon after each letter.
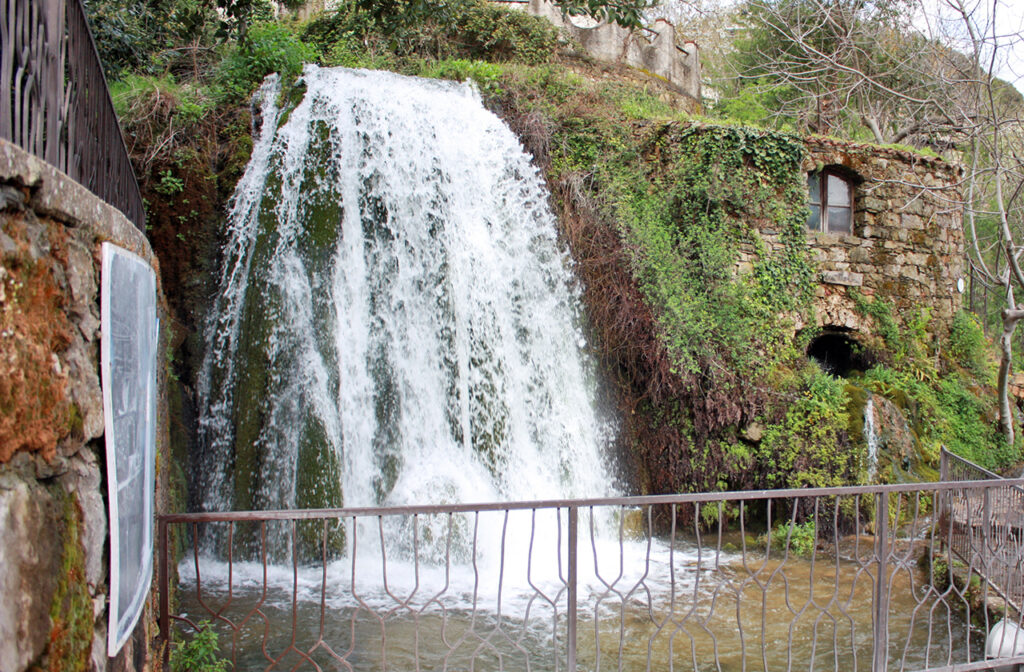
x: 397, y: 322
x: 871, y: 436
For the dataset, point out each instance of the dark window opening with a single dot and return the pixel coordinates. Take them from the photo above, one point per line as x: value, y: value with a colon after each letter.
x: 839, y: 354
x: 831, y: 202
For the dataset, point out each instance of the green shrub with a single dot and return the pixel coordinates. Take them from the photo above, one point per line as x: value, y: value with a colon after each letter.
x: 808, y: 447
x: 486, y: 75
x: 968, y: 345
x: 357, y: 32
x: 947, y: 413
x: 201, y: 653
x: 157, y: 99
x: 802, y: 538
x: 267, y: 48
x: 499, y: 34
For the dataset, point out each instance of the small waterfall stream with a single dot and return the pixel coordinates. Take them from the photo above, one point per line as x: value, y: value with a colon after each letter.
x: 397, y: 322
x: 871, y: 436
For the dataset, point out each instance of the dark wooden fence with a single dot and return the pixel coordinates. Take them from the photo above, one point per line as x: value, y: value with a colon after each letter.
x: 54, y: 101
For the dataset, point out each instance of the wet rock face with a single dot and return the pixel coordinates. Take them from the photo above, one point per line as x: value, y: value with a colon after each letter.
x: 898, y: 446
x: 54, y: 564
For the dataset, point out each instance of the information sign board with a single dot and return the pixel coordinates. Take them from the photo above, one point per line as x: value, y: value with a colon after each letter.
x: 128, y: 349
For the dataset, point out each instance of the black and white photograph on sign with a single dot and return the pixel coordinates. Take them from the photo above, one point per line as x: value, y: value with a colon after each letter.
x: 128, y: 362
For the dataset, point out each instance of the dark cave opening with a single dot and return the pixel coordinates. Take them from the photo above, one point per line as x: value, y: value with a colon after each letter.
x: 838, y: 353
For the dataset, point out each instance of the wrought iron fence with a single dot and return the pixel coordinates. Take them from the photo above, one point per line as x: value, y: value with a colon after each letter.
x: 842, y: 579
x: 56, y: 104
x: 986, y: 527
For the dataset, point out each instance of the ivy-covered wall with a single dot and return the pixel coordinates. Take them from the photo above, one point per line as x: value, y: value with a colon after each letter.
x: 906, y: 247
x: 704, y: 290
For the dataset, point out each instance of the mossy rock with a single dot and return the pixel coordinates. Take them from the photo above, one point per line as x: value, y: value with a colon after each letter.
x: 71, y: 611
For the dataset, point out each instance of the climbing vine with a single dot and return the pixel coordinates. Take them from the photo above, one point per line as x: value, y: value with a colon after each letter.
x: 697, y: 217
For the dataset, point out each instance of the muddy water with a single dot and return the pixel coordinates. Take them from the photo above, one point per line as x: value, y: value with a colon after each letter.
x: 642, y: 606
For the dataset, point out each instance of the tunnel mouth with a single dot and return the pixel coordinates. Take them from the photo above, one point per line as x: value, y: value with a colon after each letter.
x: 839, y: 353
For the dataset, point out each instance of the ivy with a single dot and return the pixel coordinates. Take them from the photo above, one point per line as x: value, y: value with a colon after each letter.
x: 807, y: 448
x: 686, y: 226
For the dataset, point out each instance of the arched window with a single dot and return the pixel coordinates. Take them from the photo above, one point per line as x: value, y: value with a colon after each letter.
x: 831, y: 202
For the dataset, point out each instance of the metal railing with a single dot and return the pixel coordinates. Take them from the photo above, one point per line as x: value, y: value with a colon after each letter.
x: 986, y: 527
x: 842, y: 579
x: 54, y: 101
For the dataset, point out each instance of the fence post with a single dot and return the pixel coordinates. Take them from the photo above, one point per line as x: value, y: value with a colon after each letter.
x: 571, y: 609
x: 986, y: 525
x: 944, y: 498
x: 165, y: 598
x: 881, y: 597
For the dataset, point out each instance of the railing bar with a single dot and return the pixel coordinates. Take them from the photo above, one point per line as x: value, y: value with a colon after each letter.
x: 571, y: 607
x: 881, y: 630
x: 295, y: 582
x: 999, y: 663
x: 638, y: 501
x: 323, y: 580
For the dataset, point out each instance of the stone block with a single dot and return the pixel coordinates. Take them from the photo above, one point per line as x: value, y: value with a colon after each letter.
x: 912, y: 222
x: 860, y: 255
x: 840, y: 277
x: 873, y: 204
x: 889, y: 219
x: 30, y: 556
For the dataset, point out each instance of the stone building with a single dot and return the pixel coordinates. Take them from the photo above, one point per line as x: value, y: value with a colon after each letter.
x: 653, y: 49
x: 885, y: 225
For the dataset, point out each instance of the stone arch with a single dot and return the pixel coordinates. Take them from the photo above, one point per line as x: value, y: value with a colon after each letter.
x: 838, y: 352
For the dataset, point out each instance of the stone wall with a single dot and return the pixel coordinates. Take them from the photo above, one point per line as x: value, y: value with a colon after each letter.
x: 652, y: 49
x: 907, y: 242
x: 54, y: 541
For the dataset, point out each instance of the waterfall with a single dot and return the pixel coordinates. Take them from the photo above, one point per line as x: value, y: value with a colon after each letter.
x: 397, y: 320
x: 871, y: 436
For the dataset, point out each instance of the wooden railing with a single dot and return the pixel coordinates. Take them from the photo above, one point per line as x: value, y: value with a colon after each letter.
x: 55, y: 103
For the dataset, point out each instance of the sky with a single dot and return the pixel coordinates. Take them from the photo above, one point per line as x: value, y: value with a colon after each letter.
x: 937, y: 18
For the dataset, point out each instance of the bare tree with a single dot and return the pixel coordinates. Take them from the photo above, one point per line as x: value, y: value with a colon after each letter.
x: 995, y: 166
x: 838, y: 65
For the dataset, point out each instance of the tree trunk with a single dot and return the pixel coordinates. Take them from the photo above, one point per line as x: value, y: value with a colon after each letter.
x: 1005, y: 414
x: 1006, y: 420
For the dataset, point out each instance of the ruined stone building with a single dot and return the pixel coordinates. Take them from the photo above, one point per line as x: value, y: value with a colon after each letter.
x: 654, y: 49
x: 885, y: 224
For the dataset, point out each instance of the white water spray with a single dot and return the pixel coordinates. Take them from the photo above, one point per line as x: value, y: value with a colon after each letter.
x: 871, y: 436
x: 395, y: 310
